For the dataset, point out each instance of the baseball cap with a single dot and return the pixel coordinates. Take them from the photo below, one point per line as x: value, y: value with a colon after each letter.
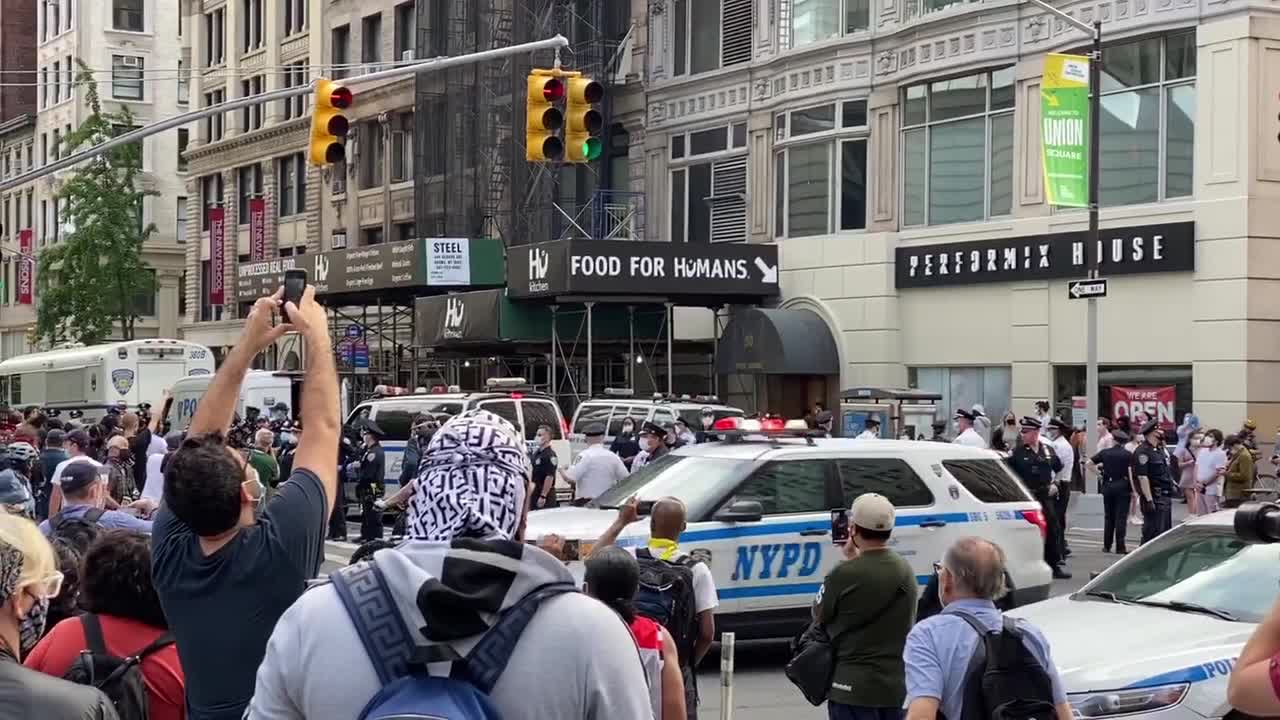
x: 77, y: 476
x: 872, y: 511
x: 80, y: 438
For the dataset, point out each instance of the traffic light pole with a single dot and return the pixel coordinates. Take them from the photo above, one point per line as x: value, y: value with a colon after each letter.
x: 417, y: 67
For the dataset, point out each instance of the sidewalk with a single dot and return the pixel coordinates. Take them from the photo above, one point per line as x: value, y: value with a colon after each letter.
x: 1084, y: 514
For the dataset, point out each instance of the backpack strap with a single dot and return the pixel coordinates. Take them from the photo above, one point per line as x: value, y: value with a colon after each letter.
x: 971, y: 691
x: 93, y: 634
x: 484, y: 665
x: 94, y: 515
x: 55, y: 521
x: 372, y: 609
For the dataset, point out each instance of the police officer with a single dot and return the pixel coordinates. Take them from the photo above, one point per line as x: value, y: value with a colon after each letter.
x: 1115, y: 462
x: 708, y: 419
x: 1153, y: 482
x: 939, y: 431
x: 653, y: 444
x: 824, y: 421
x: 1035, y: 463
x: 372, y: 481
x: 871, y: 429
x: 544, y: 471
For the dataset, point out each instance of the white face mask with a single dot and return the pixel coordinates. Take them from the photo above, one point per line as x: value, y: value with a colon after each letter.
x: 1207, y: 442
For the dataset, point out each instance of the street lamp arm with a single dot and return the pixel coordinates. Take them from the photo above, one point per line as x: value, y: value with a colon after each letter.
x: 1091, y: 30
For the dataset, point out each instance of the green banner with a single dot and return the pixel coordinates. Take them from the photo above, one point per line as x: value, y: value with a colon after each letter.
x: 1064, y: 127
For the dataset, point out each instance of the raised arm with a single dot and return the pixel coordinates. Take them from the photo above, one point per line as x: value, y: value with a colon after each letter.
x: 218, y: 406
x: 318, y: 448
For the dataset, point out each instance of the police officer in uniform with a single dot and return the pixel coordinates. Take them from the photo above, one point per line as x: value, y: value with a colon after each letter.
x: 544, y: 471
x: 1153, y: 483
x: 372, y: 481
x: 824, y: 421
x: 1115, y: 463
x: 939, y: 431
x: 871, y: 429
x: 1035, y: 463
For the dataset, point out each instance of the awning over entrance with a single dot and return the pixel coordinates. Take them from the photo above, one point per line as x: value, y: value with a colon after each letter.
x: 490, y: 318
x: 770, y: 341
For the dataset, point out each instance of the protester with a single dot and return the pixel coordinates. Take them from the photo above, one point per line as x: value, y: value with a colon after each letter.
x: 66, y: 604
x: 122, y: 485
x: 224, y: 575
x: 262, y: 460
x: 85, y: 494
x: 15, y: 495
x: 612, y: 577
x: 867, y: 605
x: 50, y: 457
x: 1211, y: 468
x: 1005, y: 437
x: 79, y: 445
x: 125, y: 614
x: 1185, y: 453
x: 595, y: 470
x: 28, y: 579
x: 463, y: 564
x: 1239, y: 473
x: 689, y: 577
x: 138, y: 436
x: 938, y: 650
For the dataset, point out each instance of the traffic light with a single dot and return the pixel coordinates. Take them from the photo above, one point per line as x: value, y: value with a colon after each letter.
x: 328, y: 123
x: 544, y: 117
x: 585, y: 122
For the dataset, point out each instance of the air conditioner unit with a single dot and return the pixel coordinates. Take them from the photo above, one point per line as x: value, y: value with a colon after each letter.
x: 130, y: 61
x: 406, y: 56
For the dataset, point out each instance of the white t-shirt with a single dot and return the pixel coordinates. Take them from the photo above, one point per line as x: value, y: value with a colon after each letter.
x: 595, y: 471
x: 971, y: 438
x: 705, y: 596
x: 158, y: 446
x: 1208, y: 461
x: 57, y: 472
x: 154, y: 488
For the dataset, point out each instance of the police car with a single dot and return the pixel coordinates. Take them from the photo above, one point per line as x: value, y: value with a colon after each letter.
x: 1157, y: 634
x: 618, y: 404
x: 760, y: 506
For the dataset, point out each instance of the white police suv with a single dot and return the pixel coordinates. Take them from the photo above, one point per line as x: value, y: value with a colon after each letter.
x: 1155, y: 636
x: 760, y: 510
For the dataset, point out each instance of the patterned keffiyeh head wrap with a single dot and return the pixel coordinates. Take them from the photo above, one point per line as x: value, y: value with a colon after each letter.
x: 472, y: 480
x: 11, y: 560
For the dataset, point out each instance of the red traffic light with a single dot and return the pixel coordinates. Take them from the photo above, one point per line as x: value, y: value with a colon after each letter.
x: 340, y: 98
x: 553, y: 90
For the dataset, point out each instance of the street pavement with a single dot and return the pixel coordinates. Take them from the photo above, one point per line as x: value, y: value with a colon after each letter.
x: 761, y: 691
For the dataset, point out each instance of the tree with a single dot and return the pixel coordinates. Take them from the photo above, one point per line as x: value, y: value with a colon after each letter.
x: 92, y: 280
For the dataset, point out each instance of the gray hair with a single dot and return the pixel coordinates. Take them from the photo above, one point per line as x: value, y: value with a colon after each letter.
x: 977, y: 565
x: 263, y: 438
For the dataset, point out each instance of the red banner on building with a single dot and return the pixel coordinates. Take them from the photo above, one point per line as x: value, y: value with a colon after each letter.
x: 217, y: 259
x: 1156, y: 402
x: 258, y: 229
x: 26, y: 268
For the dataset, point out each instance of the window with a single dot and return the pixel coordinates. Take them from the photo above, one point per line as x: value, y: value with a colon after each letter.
x: 796, y: 486
x: 71, y: 77
x: 71, y: 5
x: 56, y: 21
x: 370, y: 153
x: 402, y: 147
x: 182, y: 294
x: 31, y: 155
x: 891, y: 477
x: 988, y: 480
x: 57, y: 81
x: 44, y: 20
x: 710, y: 34
x: 957, y: 149
x: 30, y: 206
x: 44, y: 221
x: 406, y: 28
x: 251, y: 116
x: 44, y: 87
x: 371, y: 236
x: 184, y: 136
x: 505, y: 409
x: 126, y: 77
x: 215, y: 37
x: 295, y: 75
x: 341, y: 44
x: 251, y: 24
x: 817, y: 20
x: 821, y: 181
x: 57, y: 144
x: 210, y: 197
x: 184, y: 83
x: 295, y: 16
x: 709, y: 186
x: 371, y: 40
x: 249, y: 183
x: 292, y: 195
x: 180, y: 231
x: 44, y: 149
x: 538, y: 412
x: 1148, y: 120
x: 127, y: 15
x: 964, y: 387
x: 214, y: 125
x: 207, y: 312
x: 143, y: 302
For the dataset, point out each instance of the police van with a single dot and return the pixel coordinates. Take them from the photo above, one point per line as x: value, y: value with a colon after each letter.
x: 618, y: 404
x: 759, y: 512
x: 509, y: 398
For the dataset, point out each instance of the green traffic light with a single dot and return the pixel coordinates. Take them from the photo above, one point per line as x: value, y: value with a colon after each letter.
x: 592, y: 148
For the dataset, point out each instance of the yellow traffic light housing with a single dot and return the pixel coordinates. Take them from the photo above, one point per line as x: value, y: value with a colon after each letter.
x: 328, y: 123
x: 544, y: 117
x: 585, y: 122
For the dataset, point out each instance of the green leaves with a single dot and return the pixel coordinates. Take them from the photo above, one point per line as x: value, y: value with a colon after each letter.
x: 89, y: 282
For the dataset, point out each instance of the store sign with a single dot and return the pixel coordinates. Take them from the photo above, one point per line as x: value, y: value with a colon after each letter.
x: 442, y: 320
x: 375, y: 267
x: 217, y: 258
x: 1156, y: 402
x: 448, y: 261
x: 610, y: 267
x: 26, y: 268
x: 257, y: 229
x: 1167, y: 247
x: 1064, y: 129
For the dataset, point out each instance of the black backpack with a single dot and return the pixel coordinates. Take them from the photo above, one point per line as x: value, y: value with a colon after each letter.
x: 1004, y: 680
x: 91, y: 516
x: 120, y: 679
x: 666, y: 596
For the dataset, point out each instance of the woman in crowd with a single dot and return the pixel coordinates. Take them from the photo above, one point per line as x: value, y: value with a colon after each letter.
x: 121, y: 604
x: 1003, y: 438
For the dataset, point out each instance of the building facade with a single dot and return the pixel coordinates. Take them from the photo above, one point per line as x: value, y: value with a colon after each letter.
x: 17, y: 58
x: 892, y: 150
x: 17, y: 215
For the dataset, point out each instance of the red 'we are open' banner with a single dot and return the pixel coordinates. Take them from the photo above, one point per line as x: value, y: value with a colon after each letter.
x: 1156, y: 402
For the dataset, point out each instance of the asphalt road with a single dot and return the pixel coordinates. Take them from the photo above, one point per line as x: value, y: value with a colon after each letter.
x: 761, y: 691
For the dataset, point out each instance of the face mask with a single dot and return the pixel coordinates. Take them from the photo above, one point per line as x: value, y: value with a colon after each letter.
x: 31, y: 627
x: 1207, y: 442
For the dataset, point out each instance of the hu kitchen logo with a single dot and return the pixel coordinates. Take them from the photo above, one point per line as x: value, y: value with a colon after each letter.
x: 454, y: 314
x: 539, y: 262
x: 322, y: 269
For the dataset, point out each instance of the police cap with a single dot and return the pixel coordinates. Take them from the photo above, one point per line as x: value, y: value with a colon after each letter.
x: 594, y: 430
x: 1120, y: 435
x: 652, y: 428
x: 1150, y: 427
x: 1059, y: 424
x: 872, y: 421
x: 372, y: 428
x: 963, y: 414
x: 823, y: 417
x: 1030, y: 423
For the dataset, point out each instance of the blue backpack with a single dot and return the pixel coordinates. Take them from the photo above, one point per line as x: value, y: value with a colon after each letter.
x: 407, y: 690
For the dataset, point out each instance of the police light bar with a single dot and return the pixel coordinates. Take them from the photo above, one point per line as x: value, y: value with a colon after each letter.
x: 620, y: 392
x: 420, y: 390
x: 390, y: 391
x: 763, y: 426
x: 506, y: 382
x: 713, y: 399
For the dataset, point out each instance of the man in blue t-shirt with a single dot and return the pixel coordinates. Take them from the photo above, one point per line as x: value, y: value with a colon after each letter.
x: 83, y: 493
x: 225, y: 573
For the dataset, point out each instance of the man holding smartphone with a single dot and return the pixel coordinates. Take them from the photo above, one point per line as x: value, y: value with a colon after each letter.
x: 867, y: 605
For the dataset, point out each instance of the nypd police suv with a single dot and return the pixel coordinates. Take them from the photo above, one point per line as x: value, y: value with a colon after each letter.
x: 759, y: 512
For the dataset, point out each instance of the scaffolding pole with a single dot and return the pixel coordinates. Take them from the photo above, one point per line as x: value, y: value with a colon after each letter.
x: 590, y: 349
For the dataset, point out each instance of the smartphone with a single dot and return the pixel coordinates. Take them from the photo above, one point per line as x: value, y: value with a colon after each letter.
x: 840, y: 526
x: 295, y: 282
x: 571, y: 550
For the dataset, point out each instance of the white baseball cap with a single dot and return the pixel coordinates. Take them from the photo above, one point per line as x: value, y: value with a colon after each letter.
x: 872, y: 511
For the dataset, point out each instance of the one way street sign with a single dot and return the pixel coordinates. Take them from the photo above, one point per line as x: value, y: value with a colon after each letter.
x: 1081, y: 289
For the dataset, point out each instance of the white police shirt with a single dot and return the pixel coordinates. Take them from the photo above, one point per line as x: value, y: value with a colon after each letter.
x: 868, y: 435
x: 595, y: 471
x: 1062, y: 446
x: 971, y: 438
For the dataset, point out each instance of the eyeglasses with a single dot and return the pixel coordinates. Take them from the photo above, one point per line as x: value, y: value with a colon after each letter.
x: 47, y: 587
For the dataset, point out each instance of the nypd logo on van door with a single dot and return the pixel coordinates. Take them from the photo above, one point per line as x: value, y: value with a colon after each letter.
x: 122, y: 380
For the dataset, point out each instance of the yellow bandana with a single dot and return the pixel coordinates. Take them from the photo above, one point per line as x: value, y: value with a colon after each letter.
x: 664, y: 549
